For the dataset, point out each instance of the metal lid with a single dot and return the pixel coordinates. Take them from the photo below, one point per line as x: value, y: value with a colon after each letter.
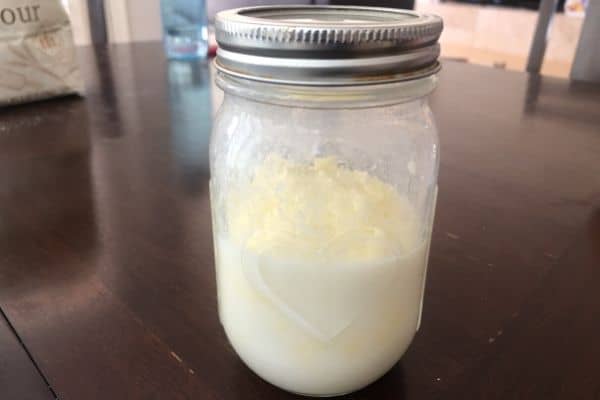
x: 327, y: 45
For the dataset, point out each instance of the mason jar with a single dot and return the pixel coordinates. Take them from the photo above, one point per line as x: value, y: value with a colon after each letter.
x: 324, y: 165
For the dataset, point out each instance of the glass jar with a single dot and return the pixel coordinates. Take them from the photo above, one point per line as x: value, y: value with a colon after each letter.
x: 324, y: 164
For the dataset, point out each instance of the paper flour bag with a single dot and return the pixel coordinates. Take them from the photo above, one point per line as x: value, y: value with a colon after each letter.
x: 37, y: 54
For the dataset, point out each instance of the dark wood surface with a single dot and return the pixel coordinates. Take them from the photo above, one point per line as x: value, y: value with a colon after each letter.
x: 19, y: 378
x: 106, y: 263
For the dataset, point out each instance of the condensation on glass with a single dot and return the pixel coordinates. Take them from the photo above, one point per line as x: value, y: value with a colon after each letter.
x: 324, y: 164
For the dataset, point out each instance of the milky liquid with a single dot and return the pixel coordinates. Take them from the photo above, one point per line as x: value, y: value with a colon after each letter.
x: 319, y: 275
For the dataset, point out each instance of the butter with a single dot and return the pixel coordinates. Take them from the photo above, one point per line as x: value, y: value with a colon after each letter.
x: 320, y: 211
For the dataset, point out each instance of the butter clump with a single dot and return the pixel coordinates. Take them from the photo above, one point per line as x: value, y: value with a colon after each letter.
x: 322, y: 211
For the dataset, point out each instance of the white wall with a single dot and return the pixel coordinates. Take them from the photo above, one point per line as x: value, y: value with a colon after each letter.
x: 144, y: 20
x: 78, y: 13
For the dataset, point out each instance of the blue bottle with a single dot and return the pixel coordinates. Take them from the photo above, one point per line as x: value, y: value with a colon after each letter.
x: 185, y: 28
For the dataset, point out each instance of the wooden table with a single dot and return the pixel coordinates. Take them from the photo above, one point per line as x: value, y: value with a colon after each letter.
x: 107, y: 285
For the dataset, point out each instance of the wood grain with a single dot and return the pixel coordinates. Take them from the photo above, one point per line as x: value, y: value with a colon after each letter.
x: 19, y: 379
x: 107, y: 267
